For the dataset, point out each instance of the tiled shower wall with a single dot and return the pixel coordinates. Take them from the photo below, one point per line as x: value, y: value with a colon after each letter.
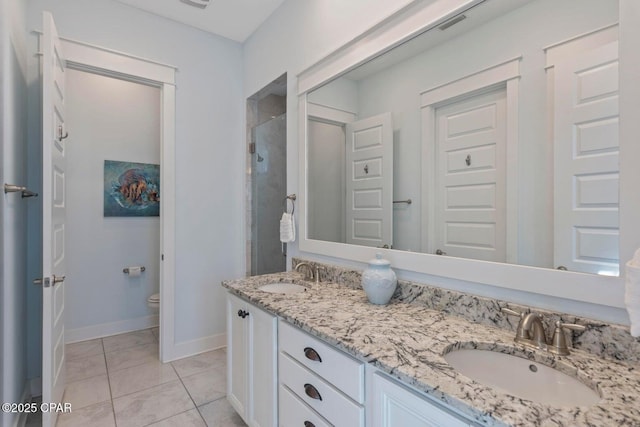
x: 261, y: 107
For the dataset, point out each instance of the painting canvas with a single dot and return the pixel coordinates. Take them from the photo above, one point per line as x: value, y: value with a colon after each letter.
x: 131, y: 189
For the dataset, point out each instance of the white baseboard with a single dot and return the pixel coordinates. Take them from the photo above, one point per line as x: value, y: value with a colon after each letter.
x: 113, y: 328
x: 197, y: 346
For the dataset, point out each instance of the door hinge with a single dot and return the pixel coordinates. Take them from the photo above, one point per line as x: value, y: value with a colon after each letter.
x: 252, y: 148
x: 161, y: 257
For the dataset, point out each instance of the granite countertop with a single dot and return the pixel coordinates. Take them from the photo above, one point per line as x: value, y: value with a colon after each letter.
x: 408, y: 341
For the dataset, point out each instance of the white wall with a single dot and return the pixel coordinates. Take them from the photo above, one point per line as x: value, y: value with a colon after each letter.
x: 13, y: 209
x: 209, y: 147
x: 108, y: 119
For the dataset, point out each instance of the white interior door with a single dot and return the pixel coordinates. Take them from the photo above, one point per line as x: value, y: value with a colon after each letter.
x: 586, y: 161
x: 470, y: 214
x: 53, y: 215
x: 369, y: 183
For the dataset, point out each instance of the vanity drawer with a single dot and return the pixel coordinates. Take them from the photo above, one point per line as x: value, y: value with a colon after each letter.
x: 294, y: 413
x: 341, y: 370
x: 319, y: 395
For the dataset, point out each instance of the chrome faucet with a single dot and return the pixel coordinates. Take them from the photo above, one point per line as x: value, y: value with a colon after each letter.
x: 309, y: 275
x: 532, y: 327
x: 530, y: 332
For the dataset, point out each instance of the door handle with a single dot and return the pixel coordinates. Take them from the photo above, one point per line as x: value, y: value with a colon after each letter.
x: 62, y: 134
x: 46, y: 281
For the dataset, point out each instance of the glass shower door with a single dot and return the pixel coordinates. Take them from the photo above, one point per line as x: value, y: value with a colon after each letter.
x: 269, y: 186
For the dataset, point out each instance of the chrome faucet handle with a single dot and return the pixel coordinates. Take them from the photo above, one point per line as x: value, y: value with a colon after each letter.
x: 559, y: 342
x: 511, y: 312
x: 521, y: 334
x: 318, y: 269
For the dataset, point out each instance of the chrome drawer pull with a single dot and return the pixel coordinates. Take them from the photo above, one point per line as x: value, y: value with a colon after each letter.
x: 309, y: 424
x: 312, y: 392
x: 311, y: 354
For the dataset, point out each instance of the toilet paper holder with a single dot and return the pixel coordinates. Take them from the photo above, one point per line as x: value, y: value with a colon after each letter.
x: 126, y: 269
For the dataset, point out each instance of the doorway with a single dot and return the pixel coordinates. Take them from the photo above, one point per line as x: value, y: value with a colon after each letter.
x: 114, y: 133
x: 267, y: 175
x: 119, y: 67
x: 92, y: 59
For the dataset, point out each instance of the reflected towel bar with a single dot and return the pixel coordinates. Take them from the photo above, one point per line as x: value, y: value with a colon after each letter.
x: 126, y: 269
x: 408, y: 201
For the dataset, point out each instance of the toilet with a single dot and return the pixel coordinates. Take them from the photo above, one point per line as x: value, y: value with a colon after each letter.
x: 154, y: 301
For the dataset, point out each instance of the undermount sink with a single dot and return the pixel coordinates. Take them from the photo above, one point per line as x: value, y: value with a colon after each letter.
x: 282, y: 288
x: 522, y: 378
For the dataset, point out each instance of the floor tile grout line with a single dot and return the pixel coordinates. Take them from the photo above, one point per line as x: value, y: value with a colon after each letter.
x: 191, y: 397
x: 208, y: 403
x: 113, y: 409
x: 171, y: 416
x: 186, y: 389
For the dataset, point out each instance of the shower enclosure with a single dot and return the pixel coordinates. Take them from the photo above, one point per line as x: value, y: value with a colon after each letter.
x: 267, y: 175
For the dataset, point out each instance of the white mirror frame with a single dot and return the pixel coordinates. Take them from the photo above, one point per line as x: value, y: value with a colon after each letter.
x: 421, y: 16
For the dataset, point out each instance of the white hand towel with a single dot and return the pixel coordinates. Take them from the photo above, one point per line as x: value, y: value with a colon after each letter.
x: 632, y: 292
x: 287, y: 228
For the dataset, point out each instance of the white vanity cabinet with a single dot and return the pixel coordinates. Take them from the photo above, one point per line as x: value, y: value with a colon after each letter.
x: 279, y: 375
x: 392, y: 404
x: 319, y: 385
x: 252, y: 362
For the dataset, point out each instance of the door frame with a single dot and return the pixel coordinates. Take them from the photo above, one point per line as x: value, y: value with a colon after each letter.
x: 94, y: 59
x: 506, y: 73
x: 333, y: 116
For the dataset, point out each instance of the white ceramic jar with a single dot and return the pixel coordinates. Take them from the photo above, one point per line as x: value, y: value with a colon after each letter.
x: 379, y: 281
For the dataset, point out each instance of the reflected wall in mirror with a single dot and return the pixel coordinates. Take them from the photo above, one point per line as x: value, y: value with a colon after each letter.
x: 492, y: 137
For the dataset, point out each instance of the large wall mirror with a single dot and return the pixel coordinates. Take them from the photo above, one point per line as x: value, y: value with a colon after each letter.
x: 492, y: 136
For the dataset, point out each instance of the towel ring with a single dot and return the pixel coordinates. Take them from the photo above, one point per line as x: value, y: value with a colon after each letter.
x: 291, y: 197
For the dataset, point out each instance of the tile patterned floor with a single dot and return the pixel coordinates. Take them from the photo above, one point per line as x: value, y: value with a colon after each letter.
x: 119, y: 381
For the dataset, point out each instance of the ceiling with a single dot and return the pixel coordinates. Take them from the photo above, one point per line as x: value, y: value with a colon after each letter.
x: 233, y: 19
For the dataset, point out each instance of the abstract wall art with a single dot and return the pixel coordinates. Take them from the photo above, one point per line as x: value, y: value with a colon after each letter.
x: 131, y: 189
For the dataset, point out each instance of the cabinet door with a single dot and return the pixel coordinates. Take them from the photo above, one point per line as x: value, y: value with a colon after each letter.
x: 262, y: 365
x: 392, y: 405
x: 237, y: 353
